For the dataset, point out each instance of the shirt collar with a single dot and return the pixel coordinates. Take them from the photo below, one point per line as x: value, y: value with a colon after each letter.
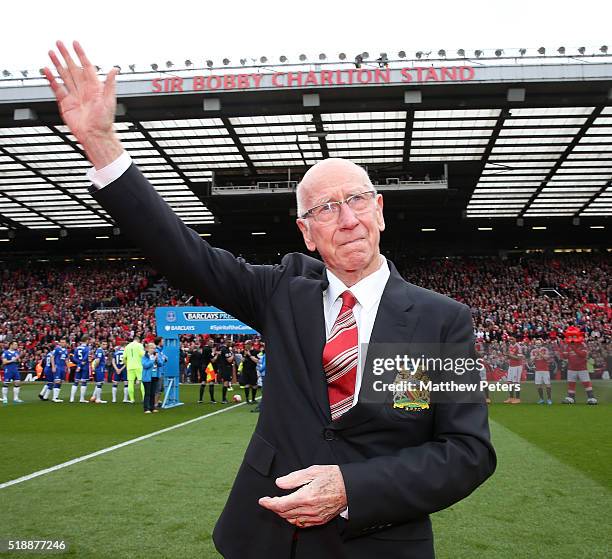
x: 367, y: 291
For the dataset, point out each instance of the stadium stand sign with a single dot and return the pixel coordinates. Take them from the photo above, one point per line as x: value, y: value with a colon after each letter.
x: 333, y: 78
x: 172, y: 322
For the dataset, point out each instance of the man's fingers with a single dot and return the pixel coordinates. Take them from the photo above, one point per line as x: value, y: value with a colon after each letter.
x: 88, y: 68
x: 63, y: 73
x: 296, y: 479
x: 109, y: 85
x: 284, y: 504
x: 58, y: 89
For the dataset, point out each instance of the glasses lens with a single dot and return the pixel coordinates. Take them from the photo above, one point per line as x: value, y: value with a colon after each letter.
x: 326, y: 213
x: 360, y: 202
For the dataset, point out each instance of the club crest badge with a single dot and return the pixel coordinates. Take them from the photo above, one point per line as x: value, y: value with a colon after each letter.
x: 411, y: 395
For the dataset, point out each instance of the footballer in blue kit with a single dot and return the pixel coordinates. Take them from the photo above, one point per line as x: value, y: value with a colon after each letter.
x: 99, y: 368
x: 59, y: 363
x: 81, y: 358
x: 48, y: 373
x: 120, y: 374
x: 10, y: 363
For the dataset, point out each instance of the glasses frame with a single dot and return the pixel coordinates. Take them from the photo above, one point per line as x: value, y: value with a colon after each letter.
x: 336, y: 203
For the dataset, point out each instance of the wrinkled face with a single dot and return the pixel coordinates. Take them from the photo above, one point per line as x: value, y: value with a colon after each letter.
x: 351, y: 241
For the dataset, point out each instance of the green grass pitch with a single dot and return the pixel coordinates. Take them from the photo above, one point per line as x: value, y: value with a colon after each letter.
x: 550, y: 497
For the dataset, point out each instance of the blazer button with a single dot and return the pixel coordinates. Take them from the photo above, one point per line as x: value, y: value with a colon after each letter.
x: 329, y: 435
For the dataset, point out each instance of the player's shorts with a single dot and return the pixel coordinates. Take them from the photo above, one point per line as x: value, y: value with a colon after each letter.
x: 118, y: 377
x: 514, y: 374
x: 59, y: 374
x: 573, y: 376
x: 10, y: 376
x: 226, y: 375
x: 249, y: 377
x: 48, y: 374
x: 81, y: 373
x: 542, y: 377
x: 483, y: 373
x: 100, y: 375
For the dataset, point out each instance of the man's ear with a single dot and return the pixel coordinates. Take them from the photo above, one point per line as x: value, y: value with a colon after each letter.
x: 305, y: 229
x: 380, y: 218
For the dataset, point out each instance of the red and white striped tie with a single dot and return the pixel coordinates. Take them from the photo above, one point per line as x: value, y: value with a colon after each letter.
x: 340, y: 358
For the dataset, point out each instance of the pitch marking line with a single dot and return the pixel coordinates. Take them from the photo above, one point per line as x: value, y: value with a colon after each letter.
x: 114, y: 447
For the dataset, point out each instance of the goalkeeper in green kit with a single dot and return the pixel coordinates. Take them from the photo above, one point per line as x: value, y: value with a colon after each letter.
x: 132, y: 357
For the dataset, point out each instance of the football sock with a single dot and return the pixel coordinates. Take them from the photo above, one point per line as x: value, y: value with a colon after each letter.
x: 131, y: 389
x: 549, y: 392
x: 16, y: 390
x: 56, y: 393
x: 114, y: 391
x: 246, y: 393
x: 126, y: 395
x: 224, y: 391
x: 540, y: 392
x: 201, y: 392
x: 73, y: 391
x: 254, y: 391
x: 5, y: 392
x: 211, y: 391
x: 83, y: 391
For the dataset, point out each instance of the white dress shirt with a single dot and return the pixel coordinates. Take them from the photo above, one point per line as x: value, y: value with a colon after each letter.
x: 368, y: 293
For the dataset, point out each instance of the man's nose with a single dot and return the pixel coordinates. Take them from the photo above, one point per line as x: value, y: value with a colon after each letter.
x: 347, y: 218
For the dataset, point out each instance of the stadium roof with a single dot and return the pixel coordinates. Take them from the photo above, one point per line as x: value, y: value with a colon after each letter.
x: 450, y: 142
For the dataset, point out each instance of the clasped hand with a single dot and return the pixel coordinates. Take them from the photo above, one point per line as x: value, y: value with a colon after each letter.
x: 321, y: 496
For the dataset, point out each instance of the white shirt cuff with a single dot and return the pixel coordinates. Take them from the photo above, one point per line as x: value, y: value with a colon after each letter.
x: 103, y: 177
x: 344, y: 513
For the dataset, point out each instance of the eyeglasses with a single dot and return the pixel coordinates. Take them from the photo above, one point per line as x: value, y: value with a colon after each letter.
x: 329, y: 211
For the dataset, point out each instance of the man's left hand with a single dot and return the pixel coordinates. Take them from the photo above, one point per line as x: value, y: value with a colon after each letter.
x: 321, y: 496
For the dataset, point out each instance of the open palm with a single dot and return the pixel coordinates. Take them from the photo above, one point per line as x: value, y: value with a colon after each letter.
x: 86, y: 104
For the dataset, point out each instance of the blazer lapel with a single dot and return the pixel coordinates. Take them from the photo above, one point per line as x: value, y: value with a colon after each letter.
x: 307, y: 304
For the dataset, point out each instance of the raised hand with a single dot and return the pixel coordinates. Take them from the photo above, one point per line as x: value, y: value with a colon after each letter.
x: 86, y: 104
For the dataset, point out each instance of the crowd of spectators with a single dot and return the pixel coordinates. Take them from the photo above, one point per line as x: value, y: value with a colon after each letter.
x: 525, y: 298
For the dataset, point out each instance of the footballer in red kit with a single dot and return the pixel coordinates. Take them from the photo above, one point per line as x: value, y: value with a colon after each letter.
x: 541, y: 358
